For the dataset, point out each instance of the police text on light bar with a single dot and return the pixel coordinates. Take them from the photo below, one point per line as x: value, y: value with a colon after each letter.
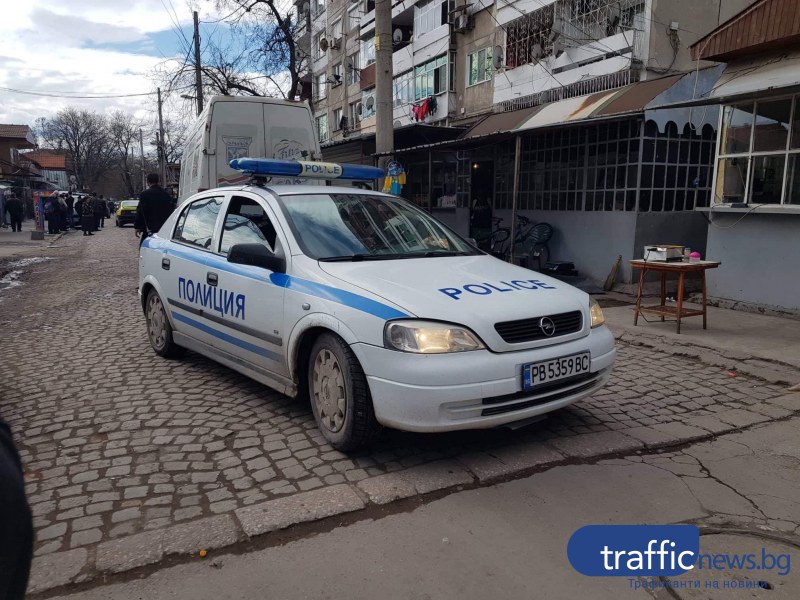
x: 304, y: 168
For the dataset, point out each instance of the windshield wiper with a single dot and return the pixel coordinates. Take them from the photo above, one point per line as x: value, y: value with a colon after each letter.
x: 448, y: 253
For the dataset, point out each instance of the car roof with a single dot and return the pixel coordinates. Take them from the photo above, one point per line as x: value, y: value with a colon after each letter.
x: 290, y: 189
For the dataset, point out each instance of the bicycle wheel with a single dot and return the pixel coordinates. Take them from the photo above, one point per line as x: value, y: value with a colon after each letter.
x: 498, y: 239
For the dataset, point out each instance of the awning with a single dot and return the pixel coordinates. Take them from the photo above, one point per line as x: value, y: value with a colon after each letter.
x: 767, y: 75
x: 612, y: 104
x: 631, y: 99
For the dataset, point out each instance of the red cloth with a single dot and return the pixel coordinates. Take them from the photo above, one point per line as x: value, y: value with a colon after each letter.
x: 421, y: 110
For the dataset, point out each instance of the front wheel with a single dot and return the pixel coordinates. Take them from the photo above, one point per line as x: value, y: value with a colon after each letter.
x: 159, y: 329
x: 339, y: 394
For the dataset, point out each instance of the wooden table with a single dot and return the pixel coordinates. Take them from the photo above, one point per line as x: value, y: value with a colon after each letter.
x: 681, y: 268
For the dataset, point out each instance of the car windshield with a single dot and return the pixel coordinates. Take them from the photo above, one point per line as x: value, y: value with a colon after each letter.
x: 344, y: 226
x: 129, y: 203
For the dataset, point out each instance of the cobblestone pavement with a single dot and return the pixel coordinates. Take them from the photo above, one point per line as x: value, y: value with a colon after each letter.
x: 119, y: 445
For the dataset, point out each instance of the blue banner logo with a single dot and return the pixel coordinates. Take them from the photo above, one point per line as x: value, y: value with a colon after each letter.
x: 634, y: 550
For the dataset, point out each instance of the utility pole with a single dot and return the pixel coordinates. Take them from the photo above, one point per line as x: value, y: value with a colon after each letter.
x: 141, y: 151
x: 162, y: 171
x: 384, y: 134
x: 198, y: 82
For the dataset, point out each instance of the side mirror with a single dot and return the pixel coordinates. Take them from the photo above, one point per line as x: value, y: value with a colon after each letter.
x: 256, y: 255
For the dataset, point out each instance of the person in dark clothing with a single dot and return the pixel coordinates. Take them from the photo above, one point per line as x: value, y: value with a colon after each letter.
x: 155, y: 207
x: 99, y: 212
x: 16, y: 522
x: 15, y: 210
x: 52, y: 214
x: 87, y: 215
x: 79, y: 211
x: 70, y: 206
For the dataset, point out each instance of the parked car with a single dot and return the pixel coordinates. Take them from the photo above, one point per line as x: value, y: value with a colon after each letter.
x: 126, y: 213
x: 368, y: 306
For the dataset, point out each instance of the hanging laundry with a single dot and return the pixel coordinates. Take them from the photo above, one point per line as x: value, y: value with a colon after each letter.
x: 421, y: 110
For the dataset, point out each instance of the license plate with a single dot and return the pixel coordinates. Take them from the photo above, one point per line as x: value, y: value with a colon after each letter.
x: 538, y: 373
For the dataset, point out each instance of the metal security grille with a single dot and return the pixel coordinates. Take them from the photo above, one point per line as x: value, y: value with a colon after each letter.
x: 529, y: 330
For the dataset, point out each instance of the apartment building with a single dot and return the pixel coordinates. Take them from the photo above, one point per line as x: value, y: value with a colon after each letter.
x: 576, y: 81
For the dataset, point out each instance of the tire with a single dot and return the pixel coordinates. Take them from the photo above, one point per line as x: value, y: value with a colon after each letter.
x: 339, y: 395
x: 159, y: 329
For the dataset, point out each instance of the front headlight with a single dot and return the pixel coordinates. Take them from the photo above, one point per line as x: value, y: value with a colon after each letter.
x: 427, y: 337
x: 597, y: 313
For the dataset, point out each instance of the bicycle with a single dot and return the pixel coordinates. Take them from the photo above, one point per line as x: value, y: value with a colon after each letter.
x: 494, y: 242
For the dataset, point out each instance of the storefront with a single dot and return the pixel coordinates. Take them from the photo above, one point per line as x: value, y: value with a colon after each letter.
x: 754, y: 216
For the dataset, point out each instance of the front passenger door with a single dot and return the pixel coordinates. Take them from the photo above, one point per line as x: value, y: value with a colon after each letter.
x: 256, y: 318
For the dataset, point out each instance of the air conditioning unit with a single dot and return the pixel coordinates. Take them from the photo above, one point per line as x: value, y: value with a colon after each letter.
x: 334, y: 43
x: 462, y: 22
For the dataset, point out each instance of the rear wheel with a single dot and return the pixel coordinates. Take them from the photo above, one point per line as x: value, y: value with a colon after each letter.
x: 339, y: 394
x: 159, y: 329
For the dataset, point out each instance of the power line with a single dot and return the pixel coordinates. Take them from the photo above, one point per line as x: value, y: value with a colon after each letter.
x: 71, y: 94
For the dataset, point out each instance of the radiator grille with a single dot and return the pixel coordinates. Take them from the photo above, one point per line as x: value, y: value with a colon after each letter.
x: 529, y: 330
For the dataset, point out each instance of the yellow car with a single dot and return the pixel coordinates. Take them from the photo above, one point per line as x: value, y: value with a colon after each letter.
x: 126, y: 212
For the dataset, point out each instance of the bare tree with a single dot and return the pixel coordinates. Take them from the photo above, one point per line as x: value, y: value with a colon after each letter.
x: 86, y: 136
x: 255, y: 53
x: 124, y: 133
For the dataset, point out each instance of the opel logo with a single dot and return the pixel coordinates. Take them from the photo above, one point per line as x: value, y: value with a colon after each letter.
x: 547, y: 326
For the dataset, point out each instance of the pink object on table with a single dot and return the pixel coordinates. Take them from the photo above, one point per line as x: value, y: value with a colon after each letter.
x: 694, y: 257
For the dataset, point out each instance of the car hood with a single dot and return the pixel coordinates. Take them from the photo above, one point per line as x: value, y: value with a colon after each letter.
x: 477, y: 291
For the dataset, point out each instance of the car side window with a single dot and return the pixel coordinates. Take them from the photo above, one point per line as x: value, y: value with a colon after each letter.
x: 196, y: 222
x: 246, y: 222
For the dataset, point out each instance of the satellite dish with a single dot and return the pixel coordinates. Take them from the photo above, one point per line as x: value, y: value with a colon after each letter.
x: 397, y: 35
x: 306, y: 7
x: 497, y: 58
x: 370, y: 103
x: 537, y: 52
x: 360, y: 108
x: 397, y: 124
x: 323, y: 44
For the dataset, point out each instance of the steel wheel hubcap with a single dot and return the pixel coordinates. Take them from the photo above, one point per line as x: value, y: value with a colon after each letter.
x: 156, y: 323
x: 329, y: 392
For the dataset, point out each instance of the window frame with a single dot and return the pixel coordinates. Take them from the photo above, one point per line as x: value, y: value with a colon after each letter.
x: 428, y: 70
x: 318, y: 121
x: 789, y: 154
x: 488, y: 65
x: 337, y: 123
x: 268, y: 212
x: 185, y: 210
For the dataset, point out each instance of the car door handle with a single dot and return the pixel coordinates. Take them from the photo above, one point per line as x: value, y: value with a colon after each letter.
x: 212, y: 278
x: 165, y: 264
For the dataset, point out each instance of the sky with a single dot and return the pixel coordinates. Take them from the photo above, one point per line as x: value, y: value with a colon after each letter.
x: 89, y: 47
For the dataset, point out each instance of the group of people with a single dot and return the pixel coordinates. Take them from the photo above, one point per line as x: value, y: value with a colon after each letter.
x: 92, y: 211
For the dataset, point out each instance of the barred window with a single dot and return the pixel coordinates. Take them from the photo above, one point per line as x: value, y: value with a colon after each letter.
x: 528, y: 37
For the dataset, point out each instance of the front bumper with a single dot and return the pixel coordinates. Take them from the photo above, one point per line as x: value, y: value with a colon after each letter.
x: 475, y: 390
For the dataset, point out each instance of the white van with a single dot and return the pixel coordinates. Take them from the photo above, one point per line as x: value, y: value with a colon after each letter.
x: 240, y: 126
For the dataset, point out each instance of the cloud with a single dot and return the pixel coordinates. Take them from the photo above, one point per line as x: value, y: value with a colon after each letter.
x: 64, y: 28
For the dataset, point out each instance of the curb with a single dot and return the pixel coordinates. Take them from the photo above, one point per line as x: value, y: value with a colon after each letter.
x: 768, y: 370
x: 473, y: 470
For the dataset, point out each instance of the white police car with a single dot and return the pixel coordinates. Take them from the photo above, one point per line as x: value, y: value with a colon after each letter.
x: 368, y: 305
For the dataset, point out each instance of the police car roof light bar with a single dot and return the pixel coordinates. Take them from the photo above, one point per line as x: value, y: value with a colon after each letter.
x: 305, y: 168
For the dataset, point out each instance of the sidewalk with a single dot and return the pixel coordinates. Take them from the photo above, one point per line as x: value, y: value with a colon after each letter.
x: 19, y: 243
x: 759, y: 345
